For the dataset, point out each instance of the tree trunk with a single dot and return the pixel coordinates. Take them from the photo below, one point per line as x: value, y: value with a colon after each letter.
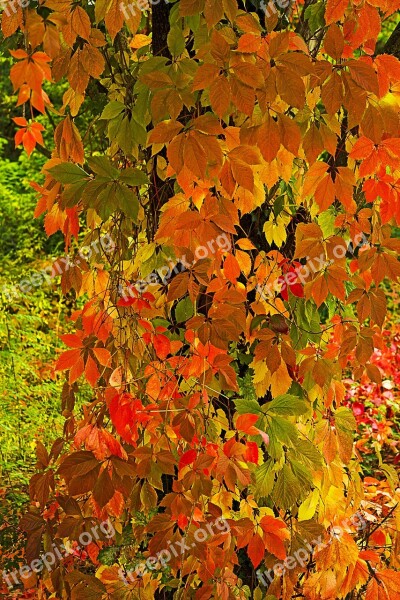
x: 160, y: 191
x: 392, y: 46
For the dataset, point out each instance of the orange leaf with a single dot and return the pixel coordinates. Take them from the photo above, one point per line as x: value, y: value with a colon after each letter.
x: 319, y: 290
x: 103, y: 356
x: 313, y: 177
x: 268, y: 139
x: 335, y: 10
x: 334, y: 42
x: 164, y: 132
x: 246, y: 423
x: 362, y: 148
x: 91, y: 372
x: 231, y: 268
x: 194, y: 156
x: 325, y: 192
x: 220, y: 95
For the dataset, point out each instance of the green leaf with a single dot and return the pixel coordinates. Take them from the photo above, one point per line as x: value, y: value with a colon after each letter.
x: 283, y: 430
x: 326, y: 221
x: 112, y: 110
x: 247, y: 405
x: 139, y: 133
x: 278, y: 205
x: 133, y: 177
x: 176, y: 41
x: 345, y: 428
x: 287, y: 489
x: 345, y: 420
x: 106, y: 203
x: 73, y: 194
x: 307, y: 453
x: 308, y: 507
x: 92, y: 191
x: 102, y: 166
x: 124, y: 136
x: 127, y: 201
x: 108, y: 556
x: 246, y: 386
x: 287, y: 405
x: 184, y: 310
x: 314, y: 14
x: 392, y: 476
x: 264, y: 476
x: 68, y: 173
x: 302, y: 474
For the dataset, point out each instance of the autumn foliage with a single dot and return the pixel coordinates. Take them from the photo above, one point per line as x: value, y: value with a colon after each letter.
x: 247, y: 168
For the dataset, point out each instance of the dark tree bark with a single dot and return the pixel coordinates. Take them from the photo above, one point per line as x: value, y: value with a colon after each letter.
x: 160, y: 191
x: 160, y: 28
x: 392, y: 46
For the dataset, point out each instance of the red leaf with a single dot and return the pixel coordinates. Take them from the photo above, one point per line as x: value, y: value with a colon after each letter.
x: 67, y: 359
x: 162, y: 346
x: 251, y: 454
x: 256, y: 550
x: 91, y: 372
x: 187, y: 458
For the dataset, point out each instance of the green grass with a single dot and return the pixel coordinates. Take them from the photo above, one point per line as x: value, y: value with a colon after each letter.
x: 29, y: 327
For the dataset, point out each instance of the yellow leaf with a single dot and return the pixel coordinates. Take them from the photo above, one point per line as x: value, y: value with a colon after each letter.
x: 140, y: 40
x: 308, y: 507
x: 244, y: 261
x: 275, y: 231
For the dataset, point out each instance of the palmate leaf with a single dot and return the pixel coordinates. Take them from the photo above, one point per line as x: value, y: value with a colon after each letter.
x: 307, y: 453
x: 303, y: 476
x: 68, y: 173
x: 345, y: 427
x: 287, y: 404
x: 281, y: 433
x: 264, y: 480
x: 287, y: 489
x: 247, y: 405
x: 127, y: 201
x: 102, y: 165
